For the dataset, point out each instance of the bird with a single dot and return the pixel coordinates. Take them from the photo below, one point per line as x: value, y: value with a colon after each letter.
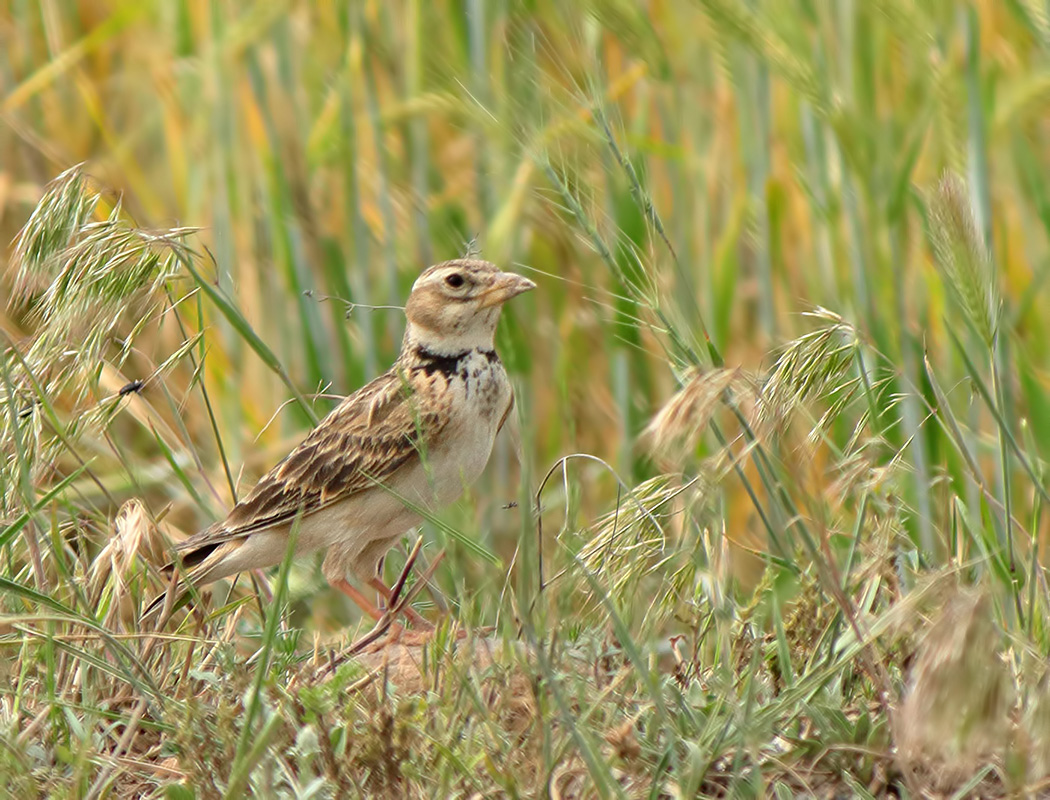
x: 412, y: 439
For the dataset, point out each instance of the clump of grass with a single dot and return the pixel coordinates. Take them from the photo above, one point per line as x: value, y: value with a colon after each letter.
x: 87, y: 286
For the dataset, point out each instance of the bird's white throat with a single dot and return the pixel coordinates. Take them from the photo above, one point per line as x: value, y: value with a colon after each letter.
x: 477, y: 336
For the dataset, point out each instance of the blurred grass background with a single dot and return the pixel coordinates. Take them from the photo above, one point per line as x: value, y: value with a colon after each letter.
x: 683, y: 180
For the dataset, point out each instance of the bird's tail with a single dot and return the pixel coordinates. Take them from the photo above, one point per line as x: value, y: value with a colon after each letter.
x: 191, y: 569
x: 182, y: 595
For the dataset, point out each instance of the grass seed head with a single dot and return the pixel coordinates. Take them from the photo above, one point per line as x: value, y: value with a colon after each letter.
x: 814, y: 366
x: 966, y: 266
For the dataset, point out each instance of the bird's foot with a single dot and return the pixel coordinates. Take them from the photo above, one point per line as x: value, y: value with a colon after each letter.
x: 386, y: 630
x: 419, y: 622
x: 403, y: 637
x: 397, y: 599
x: 398, y: 635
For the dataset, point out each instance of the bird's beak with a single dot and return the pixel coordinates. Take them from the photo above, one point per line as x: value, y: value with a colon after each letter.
x: 505, y: 286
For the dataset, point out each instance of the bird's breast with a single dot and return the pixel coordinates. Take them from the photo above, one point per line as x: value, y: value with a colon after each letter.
x: 479, y: 393
x: 485, y: 386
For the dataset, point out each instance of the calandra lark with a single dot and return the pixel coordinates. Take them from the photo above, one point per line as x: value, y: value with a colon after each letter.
x: 412, y: 438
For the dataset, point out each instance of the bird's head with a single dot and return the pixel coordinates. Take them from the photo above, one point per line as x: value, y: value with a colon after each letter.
x: 454, y: 306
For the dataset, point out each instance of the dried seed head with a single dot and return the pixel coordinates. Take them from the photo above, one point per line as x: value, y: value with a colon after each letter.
x: 956, y: 705
x: 623, y: 742
x: 133, y: 535
x: 79, y: 275
x: 674, y: 431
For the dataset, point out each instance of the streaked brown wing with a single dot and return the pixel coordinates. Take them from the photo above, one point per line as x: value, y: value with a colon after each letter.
x: 364, y: 440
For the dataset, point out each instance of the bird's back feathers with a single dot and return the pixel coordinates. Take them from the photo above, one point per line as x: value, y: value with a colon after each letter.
x: 361, y: 443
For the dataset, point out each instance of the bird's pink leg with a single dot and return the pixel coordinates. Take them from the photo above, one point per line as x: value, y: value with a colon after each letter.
x: 369, y: 608
x: 358, y: 597
x: 413, y: 616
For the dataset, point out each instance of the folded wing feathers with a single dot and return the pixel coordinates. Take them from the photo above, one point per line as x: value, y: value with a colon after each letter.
x: 364, y: 440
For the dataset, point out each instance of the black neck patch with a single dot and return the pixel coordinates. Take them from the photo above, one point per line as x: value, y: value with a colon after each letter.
x: 448, y: 365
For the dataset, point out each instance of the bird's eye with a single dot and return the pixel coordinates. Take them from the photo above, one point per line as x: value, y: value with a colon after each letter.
x: 455, y: 280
